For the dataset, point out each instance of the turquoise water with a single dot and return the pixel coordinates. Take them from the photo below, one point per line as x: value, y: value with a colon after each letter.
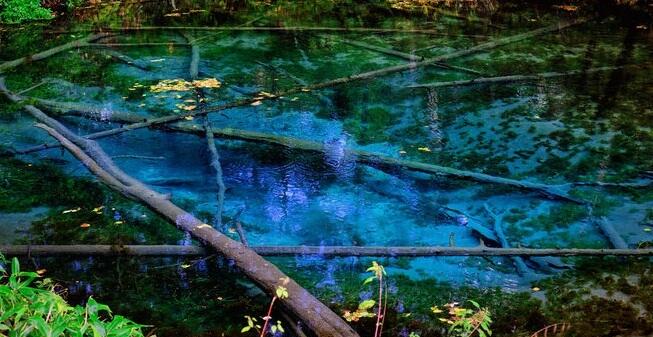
x: 591, y: 127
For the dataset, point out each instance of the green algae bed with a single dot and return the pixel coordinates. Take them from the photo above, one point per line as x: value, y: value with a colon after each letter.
x: 594, y: 127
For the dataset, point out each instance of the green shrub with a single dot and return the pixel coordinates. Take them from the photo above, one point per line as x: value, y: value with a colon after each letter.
x: 17, y: 11
x: 39, y: 312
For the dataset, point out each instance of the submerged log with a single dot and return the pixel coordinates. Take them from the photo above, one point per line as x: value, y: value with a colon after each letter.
x: 47, y: 53
x: 610, y: 233
x: 373, y: 158
x: 520, y: 266
x: 120, y: 57
x: 408, y: 57
x: 513, y: 78
x: 319, y: 318
x: 271, y: 29
x: 325, y: 251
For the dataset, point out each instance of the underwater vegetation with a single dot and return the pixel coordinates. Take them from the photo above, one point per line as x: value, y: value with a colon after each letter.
x: 326, y: 125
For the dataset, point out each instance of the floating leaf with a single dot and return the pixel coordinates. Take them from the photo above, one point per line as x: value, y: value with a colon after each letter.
x: 255, y: 103
x: 85, y: 225
x: 424, y: 149
x: 535, y: 289
x: 188, y: 118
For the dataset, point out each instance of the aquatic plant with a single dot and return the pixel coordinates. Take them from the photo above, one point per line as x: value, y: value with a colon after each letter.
x: 40, y: 311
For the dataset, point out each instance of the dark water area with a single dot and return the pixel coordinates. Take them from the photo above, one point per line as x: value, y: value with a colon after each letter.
x: 552, y: 143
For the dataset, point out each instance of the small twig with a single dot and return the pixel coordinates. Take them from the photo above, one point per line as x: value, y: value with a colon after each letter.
x: 33, y: 87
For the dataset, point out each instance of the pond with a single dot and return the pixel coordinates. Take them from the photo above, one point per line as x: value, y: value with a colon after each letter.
x: 378, y: 128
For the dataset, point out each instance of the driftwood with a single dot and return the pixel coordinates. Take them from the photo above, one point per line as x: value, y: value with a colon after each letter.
x: 408, y: 57
x: 325, y: 251
x: 217, y: 167
x: 318, y: 317
x: 513, y: 78
x: 47, y: 53
x: 520, y: 266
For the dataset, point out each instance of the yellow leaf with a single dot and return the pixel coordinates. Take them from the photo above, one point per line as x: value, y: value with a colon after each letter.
x: 41, y: 271
x: 85, y: 225
x: 185, y: 266
x: 119, y: 222
x: 424, y: 149
x: 97, y: 209
x: 255, y: 103
x: 188, y: 107
x: 188, y: 118
x: 535, y: 289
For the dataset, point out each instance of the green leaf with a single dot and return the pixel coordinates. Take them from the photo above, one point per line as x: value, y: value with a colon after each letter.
x: 366, y: 304
x: 245, y: 329
x: 474, y: 303
x: 368, y: 280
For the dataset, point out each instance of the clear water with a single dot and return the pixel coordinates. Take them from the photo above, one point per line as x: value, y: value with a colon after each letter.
x: 590, y: 127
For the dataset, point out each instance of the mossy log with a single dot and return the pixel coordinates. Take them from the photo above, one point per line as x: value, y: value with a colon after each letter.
x: 47, y: 53
x: 325, y: 251
x: 513, y: 78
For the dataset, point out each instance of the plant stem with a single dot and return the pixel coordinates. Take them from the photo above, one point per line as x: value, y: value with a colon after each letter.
x: 377, y: 330
x: 268, y: 316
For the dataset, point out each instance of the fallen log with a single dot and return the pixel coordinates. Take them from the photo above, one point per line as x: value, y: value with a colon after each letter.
x: 408, y: 57
x: 512, y: 78
x: 47, y: 53
x: 325, y: 251
x: 317, y: 317
x: 520, y: 266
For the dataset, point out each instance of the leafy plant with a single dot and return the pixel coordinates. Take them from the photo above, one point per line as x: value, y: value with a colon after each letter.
x: 466, y: 322
x: 17, y: 11
x: 378, y: 272
x: 40, y: 312
x: 281, y: 292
